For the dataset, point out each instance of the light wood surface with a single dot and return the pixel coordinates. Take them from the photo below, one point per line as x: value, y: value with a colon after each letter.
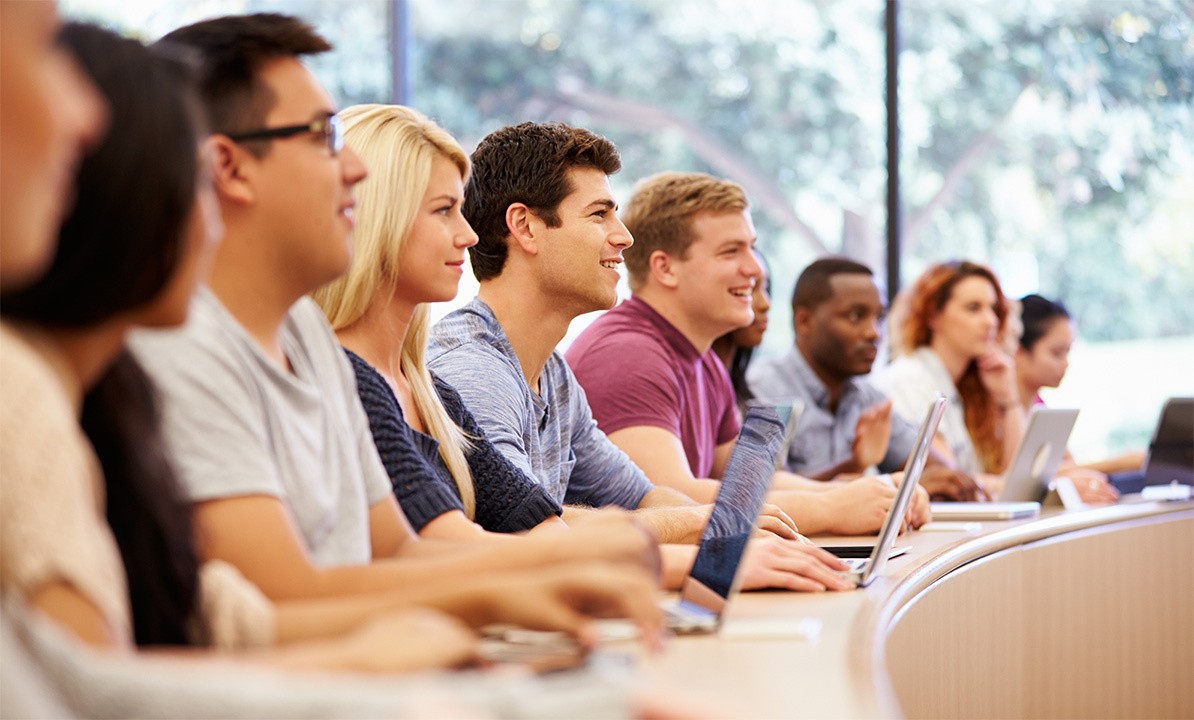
x: 1075, y: 614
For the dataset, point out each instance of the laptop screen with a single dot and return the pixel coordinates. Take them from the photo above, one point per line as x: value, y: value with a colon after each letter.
x: 743, y: 485
x: 912, y: 472
x: 1171, y: 452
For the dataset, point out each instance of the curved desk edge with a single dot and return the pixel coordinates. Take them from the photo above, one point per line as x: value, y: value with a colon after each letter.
x: 868, y: 659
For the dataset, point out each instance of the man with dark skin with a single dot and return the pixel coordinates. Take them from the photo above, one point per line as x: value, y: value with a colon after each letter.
x: 847, y: 425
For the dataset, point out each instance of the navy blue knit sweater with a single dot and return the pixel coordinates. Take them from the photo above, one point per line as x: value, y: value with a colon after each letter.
x: 507, y: 500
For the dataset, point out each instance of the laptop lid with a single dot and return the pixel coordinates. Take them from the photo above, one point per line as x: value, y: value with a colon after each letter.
x: 912, y: 471
x: 1171, y: 452
x: 1039, y: 454
x: 797, y: 405
x: 743, y: 486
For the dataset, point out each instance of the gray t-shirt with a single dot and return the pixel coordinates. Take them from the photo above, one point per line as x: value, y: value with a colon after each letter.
x: 824, y: 438
x: 238, y: 424
x: 549, y: 435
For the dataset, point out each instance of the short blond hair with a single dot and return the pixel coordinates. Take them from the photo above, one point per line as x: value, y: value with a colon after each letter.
x: 660, y: 213
x: 398, y: 145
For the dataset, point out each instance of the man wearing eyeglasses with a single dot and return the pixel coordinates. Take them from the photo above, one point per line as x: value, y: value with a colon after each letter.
x: 260, y: 406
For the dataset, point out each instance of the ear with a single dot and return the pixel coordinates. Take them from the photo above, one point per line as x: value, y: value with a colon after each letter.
x: 662, y: 269
x: 802, y: 320
x: 231, y: 170
x: 520, y: 224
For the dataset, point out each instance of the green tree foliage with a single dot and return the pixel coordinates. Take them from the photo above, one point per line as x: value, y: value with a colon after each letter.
x: 1049, y: 137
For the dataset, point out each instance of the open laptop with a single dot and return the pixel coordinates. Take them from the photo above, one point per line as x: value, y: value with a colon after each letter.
x: 863, y: 570
x: 713, y: 578
x: 1028, y: 476
x: 1171, y: 452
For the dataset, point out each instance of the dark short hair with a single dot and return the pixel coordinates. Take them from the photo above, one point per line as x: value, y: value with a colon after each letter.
x: 1038, y: 314
x: 813, y: 286
x: 233, y: 49
x: 526, y: 163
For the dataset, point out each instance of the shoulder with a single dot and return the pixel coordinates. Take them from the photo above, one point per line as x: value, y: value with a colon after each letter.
x: 307, y: 325
x: 462, y: 328
x: 617, y: 330
x: 210, y: 345
x: 615, y: 353
x: 920, y: 367
x: 868, y: 392
x: 453, y: 403
x: 775, y: 371
x: 308, y: 320
x: 371, y: 386
x: 27, y: 372
x: 36, y: 404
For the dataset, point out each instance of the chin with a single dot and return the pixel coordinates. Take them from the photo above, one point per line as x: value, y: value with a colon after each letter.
x: 862, y: 369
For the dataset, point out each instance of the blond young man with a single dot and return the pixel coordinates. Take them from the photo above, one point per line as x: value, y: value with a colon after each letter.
x: 692, y: 272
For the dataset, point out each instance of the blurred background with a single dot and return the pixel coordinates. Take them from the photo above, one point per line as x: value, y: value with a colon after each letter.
x: 1050, y: 139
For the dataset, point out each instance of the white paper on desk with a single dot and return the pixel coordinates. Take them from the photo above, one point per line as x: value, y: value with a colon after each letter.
x: 807, y: 628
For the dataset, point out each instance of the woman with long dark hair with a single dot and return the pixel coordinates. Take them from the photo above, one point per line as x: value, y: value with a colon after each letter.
x: 95, y: 534
x: 1042, y: 358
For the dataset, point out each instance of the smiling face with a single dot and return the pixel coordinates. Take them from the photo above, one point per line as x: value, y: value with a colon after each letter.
x: 716, y: 279
x: 1046, y: 363
x: 967, y: 325
x: 432, y: 258
x: 50, y: 112
x: 840, y: 336
x: 579, y: 259
x: 751, y: 336
x: 305, y: 194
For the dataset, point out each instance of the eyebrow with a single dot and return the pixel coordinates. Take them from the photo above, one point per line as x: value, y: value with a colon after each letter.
x: 603, y: 202
x: 323, y: 114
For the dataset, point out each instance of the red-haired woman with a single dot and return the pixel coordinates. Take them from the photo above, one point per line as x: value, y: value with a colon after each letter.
x: 946, y: 333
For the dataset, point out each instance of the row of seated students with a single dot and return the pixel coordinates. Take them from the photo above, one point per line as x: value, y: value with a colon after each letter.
x: 196, y: 453
x: 953, y: 327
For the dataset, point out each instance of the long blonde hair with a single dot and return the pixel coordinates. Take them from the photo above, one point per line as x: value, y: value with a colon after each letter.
x: 398, y: 145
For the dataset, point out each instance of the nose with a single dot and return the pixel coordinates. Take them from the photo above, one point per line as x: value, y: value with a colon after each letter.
x: 752, y: 267
x: 874, y: 329
x: 762, y: 300
x: 619, y: 235
x: 465, y: 236
x: 352, y: 167
x: 85, y: 113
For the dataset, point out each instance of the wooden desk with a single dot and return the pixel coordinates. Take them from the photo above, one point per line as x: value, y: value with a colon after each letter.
x: 1079, y: 614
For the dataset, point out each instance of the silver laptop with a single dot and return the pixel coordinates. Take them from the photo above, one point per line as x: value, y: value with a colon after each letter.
x: 1028, y: 476
x: 714, y: 575
x: 863, y: 570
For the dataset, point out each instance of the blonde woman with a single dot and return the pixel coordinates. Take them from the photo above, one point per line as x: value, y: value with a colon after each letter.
x: 410, y: 243
x: 411, y: 240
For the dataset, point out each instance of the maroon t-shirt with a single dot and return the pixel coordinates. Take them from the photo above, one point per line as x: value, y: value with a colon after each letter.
x: 637, y: 369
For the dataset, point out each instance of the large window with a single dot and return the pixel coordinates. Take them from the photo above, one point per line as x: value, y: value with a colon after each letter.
x: 1054, y: 139
x: 358, y: 71
x: 1048, y: 138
